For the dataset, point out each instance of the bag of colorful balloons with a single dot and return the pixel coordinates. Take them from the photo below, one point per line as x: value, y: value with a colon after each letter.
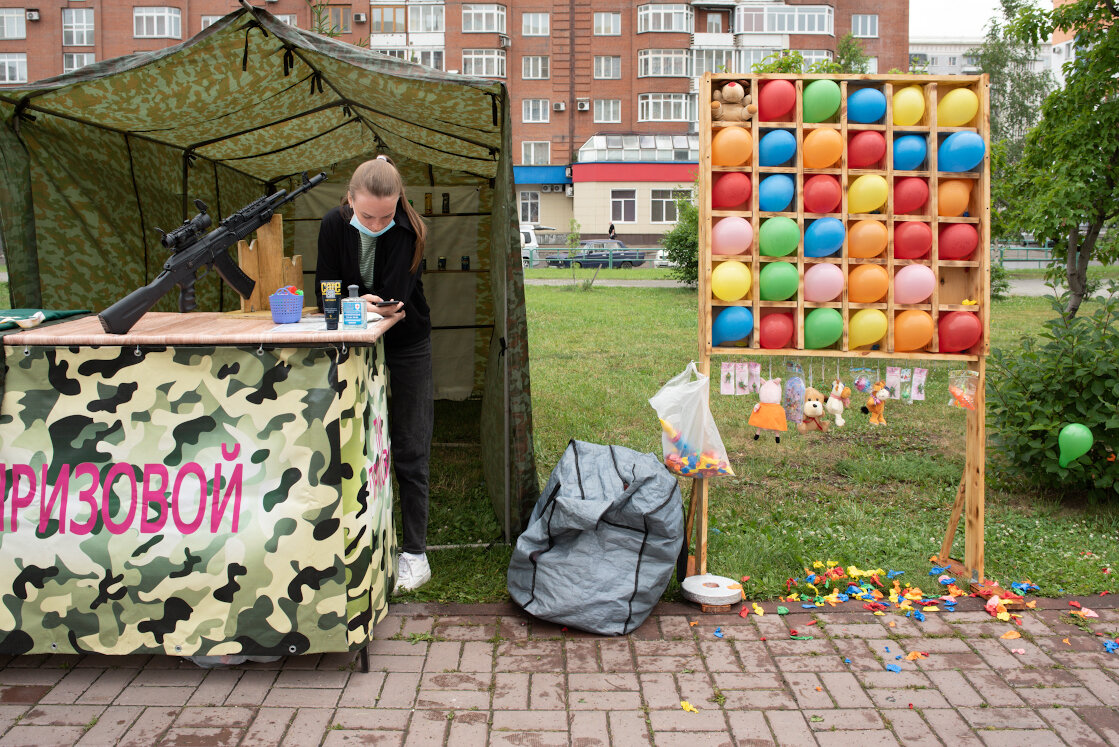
x: 689, y: 437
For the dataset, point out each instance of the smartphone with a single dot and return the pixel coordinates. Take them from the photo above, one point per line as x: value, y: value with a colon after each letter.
x: 386, y: 303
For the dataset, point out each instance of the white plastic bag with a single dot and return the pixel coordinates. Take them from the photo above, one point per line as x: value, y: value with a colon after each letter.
x: 690, y: 440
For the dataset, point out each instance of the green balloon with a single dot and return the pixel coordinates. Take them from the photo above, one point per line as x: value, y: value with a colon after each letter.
x: 1075, y: 440
x: 821, y: 100
x: 779, y: 281
x: 822, y: 327
x: 778, y: 237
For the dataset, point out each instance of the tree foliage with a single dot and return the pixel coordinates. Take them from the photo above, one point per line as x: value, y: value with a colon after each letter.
x: 1065, y: 186
x: 681, y: 242
x: 849, y: 58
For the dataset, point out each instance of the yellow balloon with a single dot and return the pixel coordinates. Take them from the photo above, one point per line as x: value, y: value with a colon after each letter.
x: 867, y: 327
x: 957, y: 107
x: 731, y: 281
x: 952, y: 197
x: 909, y: 105
x: 867, y: 193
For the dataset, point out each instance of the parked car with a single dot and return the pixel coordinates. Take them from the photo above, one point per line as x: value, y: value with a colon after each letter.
x: 661, y: 259
x: 530, y: 246
x: 599, y: 253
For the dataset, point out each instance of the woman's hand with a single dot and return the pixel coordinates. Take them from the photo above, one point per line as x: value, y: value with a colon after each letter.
x: 370, y: 305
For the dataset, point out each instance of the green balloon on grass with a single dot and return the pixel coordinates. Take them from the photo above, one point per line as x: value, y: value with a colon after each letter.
x: 1075, y: 440
x: 779, y: 281
x: 822, y: 327
x: 821, y: 100
x: 778, y: 237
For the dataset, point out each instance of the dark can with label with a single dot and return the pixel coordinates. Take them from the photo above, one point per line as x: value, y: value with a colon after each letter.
x: 446, y: 202
x: 427, y: 203
x: 423, y: 264
x: 442, y: 263
x: 466, y: 261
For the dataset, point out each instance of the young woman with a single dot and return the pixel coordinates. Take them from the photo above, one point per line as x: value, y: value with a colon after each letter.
x: 375, y: 240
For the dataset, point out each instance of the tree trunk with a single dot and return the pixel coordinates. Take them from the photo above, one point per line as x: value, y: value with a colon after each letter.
x: 1076, y: 263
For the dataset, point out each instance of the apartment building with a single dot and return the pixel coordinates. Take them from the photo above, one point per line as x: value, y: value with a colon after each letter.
x: 603, y: 95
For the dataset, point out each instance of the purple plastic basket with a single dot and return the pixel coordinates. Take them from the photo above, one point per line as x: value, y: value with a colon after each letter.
x: 287, y: 307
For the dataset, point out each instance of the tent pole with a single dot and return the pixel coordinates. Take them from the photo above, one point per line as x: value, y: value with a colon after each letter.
x: 505, y: 418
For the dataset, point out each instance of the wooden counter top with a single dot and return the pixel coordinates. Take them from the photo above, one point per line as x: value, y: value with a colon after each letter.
x: 196, y: 328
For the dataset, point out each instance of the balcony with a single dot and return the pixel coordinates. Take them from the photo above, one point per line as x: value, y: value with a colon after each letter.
x: 380, y: 41
x: 713, y: 40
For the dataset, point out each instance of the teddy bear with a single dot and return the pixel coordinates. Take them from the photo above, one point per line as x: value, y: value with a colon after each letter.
x: 768, y: 414
x: 731, y: 103
x: 838, y: 398
x: 876, y: 404
x: 813, y: 412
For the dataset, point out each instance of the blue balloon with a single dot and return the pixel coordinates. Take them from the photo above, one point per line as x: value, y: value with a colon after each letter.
x: 866, y: 105
x: 823, y: 237
x: 776, y: 193
x: 776, y: 148
x: 732, y: 324
x: 909, y: 152
x: 960, y: 151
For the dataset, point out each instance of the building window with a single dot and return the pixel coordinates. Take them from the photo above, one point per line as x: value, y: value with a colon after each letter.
x: 77, y: 27
x: 427, y: 19
x: 13, y: 67
x: 951, y: 62
x: 872, y: 65
x: 784, y: 19
x: 398, y: 52
x: 340, y: 19
x: 535, y: 67
x: 483, y: 18
x: 429, y: 57
x: 208, y: 21
x: 535, y: 110
x: 714, y: 23
x: 485, y: 63
x: 623, y: 205
x: 663, y: 207
x: 289, y: 18
x: 812, y: 56
x: 536, y: 152
x: 386, y: 19
x: 864, y: 25
x: 607, y: 68
x: 712, y: 61
x: 662, y: 63
x: 71, y: 62
x: 664, y: 18
x: 607, y: 24
x: 157, y: 23
x: 530, y: 207
x: 535, y: 24
x: 608, y: 110
x: 665, y: 107
x: 13, y: 23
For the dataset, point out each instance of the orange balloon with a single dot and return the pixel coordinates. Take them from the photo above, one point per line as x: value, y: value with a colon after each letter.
x: 822, y: 148
x: 913, y: 330
x: 867, y: 238
x: 732, y: 146
x: 953, y: 196
x: 867, y: 284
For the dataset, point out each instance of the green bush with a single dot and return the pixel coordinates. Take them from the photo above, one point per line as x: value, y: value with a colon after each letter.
x: 681, y: 242
x: 1067, y: 373
x: 1000, y: 282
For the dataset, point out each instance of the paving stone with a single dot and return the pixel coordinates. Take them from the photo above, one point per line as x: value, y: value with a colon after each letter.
x: 1019, y: 737
x: 589, y: 729
x: 695, y: 739
x: 510, y: 691
x: 362, y: 691
x: 951, y: 727
x: 1104, y: 687
x: 955, y: 688
x: 108, y: 686
x: 749, y: 728
x: 111, y: 725
x: 1070, y: 726
x: 909, y: 728
x: 1104, y: 721
x: 843, y: 719
x: 192, y: 736
x: 469, y: 730
x: 808, y: 690
x: 215, y: 688
x: 789, y: 728
x: 428, y: 728
x: 581, y: 656
x: 476, y: 657
x: 862, y: 738
x: 38, y: 736
x: 309, y: 726
x: 521, y: 721
x: 887, y: 698
x: 993, y: 689
x: 707, y: 719
x: 658, y: 690
x: 546, y: 691
x: 1001, y: 718
x: 372, y: 719
x: 302, y: 697
x: 845, y: 690
x: 268, y: 726
x: 149, y: 727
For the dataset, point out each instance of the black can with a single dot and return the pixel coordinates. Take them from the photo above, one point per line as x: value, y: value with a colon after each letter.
x: 446, y: 202
x: 466, y: 261
x: 442, y: 263
x: 423, y: 264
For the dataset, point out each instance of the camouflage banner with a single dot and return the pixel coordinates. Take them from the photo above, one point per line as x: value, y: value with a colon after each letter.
x: 193, y: 500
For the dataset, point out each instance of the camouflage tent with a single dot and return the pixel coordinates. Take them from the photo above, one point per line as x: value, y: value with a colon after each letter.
x: 93, y: 161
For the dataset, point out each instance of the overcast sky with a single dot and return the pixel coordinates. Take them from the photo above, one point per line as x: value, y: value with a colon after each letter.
x: 963, y: 19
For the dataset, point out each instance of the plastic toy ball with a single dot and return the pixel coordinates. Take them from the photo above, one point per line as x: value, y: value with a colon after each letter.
x: 956, y: 108
x: 909, y: 106
x: 909, y: 152
x: 956, y: 241
x: 732, y: 235
x: 775, y: 100
x: 732, y: 324
x: 1074, y: 441
x: 731, y: 281
x: 775, y: 193
x: 823, y: 237
x: 775, y: 330
x: 912, y: 240
x: 821, y: 100
x: 732, y: 146
x: 776, y: 148
x: 960, y: 151
x: 867, y: 238
x: 866, y: 105
x: 730, y: 190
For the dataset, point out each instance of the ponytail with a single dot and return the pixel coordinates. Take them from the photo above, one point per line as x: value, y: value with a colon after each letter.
x: 380, y: 178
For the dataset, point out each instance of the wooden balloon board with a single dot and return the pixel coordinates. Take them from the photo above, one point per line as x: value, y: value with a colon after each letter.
x: 956, y: 280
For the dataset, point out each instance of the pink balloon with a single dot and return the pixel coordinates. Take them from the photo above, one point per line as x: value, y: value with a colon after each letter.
x: 822, y: 283
x: 913, y: 284
x: 732, y: 235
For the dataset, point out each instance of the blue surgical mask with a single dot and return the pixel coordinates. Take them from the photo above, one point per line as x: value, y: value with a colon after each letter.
x: 372, y: 234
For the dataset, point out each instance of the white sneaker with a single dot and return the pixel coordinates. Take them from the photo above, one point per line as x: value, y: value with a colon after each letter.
x: 413, y: 572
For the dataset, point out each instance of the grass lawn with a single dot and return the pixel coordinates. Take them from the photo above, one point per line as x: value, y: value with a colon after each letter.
x: 860, y: 495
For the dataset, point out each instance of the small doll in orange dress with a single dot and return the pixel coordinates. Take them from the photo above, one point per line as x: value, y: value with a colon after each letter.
x: 768, y: 414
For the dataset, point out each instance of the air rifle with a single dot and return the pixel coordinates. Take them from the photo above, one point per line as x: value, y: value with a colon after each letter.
x: 192, y: 249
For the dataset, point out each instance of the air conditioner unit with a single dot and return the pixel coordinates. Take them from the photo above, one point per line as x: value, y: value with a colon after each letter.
x: 558, y: 106
x: 359, y: 18
x: 570, y: 190
x: 32, y: 14
x: 503, y: 41
x: 567, y: 172
x: 583, y: 106
x: 545, y: 187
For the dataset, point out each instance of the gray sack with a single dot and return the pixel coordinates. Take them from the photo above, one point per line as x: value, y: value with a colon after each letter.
x: 602, y: 541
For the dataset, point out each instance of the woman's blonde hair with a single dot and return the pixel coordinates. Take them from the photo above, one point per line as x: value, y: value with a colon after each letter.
x: 378, y: 177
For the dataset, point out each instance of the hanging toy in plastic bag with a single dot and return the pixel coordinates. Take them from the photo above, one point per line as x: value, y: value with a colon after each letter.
x: 962, y: 386
x: 838, y: 398
x: 794, y: 393
x: 768, y: 414
x: 861, y: 380
x: 876, y: 404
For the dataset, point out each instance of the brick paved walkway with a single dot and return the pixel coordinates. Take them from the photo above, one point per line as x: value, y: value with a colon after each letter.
x: 486, y: 674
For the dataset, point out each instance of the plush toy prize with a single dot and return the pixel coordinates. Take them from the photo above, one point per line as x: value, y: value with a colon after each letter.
x: 731, y: 103
x: 768, y: 414
x: 838, y: 398
x: 813, y: 412
x: 876, y: 403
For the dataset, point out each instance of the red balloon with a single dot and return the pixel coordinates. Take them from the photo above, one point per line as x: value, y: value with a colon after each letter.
x: 822, y: 194
x: 775, y: 100
x: 865, y: 149
x: 912, y: 239
x: 776, y: 330
x: 957, y: 241
x: 730, y: 190
x: 910, y: 193
x: 958, y: 330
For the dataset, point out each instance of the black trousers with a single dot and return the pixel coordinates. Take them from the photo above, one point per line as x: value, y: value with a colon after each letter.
x: 411, y: 421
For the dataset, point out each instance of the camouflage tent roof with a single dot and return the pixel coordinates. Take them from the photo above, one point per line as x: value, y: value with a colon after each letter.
x: 91, y: 162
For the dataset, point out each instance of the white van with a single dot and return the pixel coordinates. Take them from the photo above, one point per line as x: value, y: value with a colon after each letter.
x: 530, y: 247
